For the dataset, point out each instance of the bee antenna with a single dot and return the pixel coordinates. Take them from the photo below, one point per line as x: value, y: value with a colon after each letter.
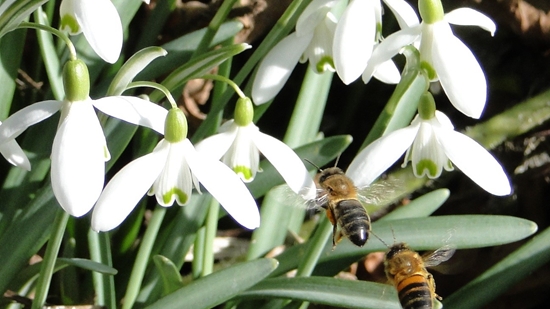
x: 315, y: 165
x: 385, y: 244
x: 337, y: 159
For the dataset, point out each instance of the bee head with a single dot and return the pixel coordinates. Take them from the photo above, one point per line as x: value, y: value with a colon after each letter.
x: 326, y: 173
x: 395, y: 249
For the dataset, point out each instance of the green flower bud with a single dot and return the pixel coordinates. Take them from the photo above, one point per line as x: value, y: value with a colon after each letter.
x: 175, y: 127
x: 244, y: 112
x: 76, y: 80
x: 426, y: 106
x: 431, y: 11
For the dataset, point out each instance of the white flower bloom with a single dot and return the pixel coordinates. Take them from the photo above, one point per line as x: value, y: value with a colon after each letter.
x: 312, y: 41
x: 431, y: 145
x: 239, y: 147
x: 100, y: 23
x: 358, y: 33
x: 452, y: 62
x: 79, y: 148
x: 170, y: 172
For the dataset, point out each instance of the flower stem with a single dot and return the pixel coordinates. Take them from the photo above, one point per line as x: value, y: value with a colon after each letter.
x: 46, y: 270
x: 143, y: 257
x: 213, y: 26
x: 156, y: 86
x: 104, y: 285
x: 210, y: 234
x: 224, y: 79
x: 58, y: 33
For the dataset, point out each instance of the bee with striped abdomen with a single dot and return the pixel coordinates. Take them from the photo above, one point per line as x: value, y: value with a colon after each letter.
x: 406, y: 269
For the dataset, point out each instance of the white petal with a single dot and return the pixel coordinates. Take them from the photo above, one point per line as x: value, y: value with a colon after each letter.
x: 470, y: 17
x: 374, y: 159
x: 404, y: 13
x: 459, y: 72
x: 354, y: 39
x: 134, y: 110
x: 474, y: 161
x: 101, y: 26
x: 78, y: 159
x: 126, y: 189
x: 277, y: 65
x: 175, y: 182
x: 243, y: 157
x: 313, y: 14
x: 387, y: 73
x: 286, y: 161
x: 216, y: 146
x: 319, y: 51
x: 226, y: 187
x: 388, y: 48
x: 24, y: 118
x: 15, y: 155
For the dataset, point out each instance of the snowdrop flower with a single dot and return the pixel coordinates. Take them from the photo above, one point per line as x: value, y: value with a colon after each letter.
x: 240, y: 142
x: 100, y: 23
x: 311, y: 41
x: 443, y: 55
x: 79, y: 148
x: 359, y: 31
x: 431, y: 144
x: 170, y: 172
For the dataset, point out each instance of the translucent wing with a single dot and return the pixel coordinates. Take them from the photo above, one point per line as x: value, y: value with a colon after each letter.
x: 380, y: 192
x: 285, y: 196
x: 439, y: 256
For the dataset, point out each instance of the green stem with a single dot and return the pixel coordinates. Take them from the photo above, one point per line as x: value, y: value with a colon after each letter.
x: 143, y: 257
x: 156, y: 86
x: 46, y: 270
x: 209, y: 236
x: 213, y: 26
x: 104, y: 285
x: 225, y: 80
x: 58, y: 33
x: 198, y: 252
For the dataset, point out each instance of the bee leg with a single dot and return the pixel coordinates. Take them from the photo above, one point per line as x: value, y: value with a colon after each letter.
x: 333, y: 236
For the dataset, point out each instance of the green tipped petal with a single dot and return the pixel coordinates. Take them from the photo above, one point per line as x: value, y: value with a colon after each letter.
x: 69, y: 24
x: 76, y: 80
x: 244, y: 172
x: 175, y: 128
x: 427, y: 167
x: 181, y: 196
x: 244, y: 112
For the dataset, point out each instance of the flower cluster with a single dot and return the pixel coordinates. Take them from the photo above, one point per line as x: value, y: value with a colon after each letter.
x: 350, y: 45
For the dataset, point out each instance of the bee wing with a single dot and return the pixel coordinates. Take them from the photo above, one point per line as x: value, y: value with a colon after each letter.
x: 439, y: 256
x: 285, y: 196
x: 377, y: 193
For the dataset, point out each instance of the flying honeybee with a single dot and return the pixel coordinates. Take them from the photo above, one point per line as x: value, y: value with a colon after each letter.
x: 339, y: 196
x: 406, y: 269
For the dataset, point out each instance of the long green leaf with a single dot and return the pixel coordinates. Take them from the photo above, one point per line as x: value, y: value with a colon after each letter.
x: 327, y: 291
x: 422, y: 206
x: 430, y: 233
x: 218, y: 287
x: 503, y: 275
x: 17, y: 11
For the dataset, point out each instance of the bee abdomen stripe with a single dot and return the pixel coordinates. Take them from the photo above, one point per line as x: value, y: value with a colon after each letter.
x: 414, y: 293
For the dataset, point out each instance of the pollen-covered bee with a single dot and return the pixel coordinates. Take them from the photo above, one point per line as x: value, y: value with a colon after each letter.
x: 339, y: 196
x: 406, y: 269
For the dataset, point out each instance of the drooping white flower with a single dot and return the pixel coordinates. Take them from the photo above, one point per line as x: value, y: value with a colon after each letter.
x: 100, y: 23
x: 170, y: 172
x: 431, y: 144
x: 359, y: 32
x: 79, y: 148
x: 239, y: 144
x: 311, y: 41
x: 442, y: 54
